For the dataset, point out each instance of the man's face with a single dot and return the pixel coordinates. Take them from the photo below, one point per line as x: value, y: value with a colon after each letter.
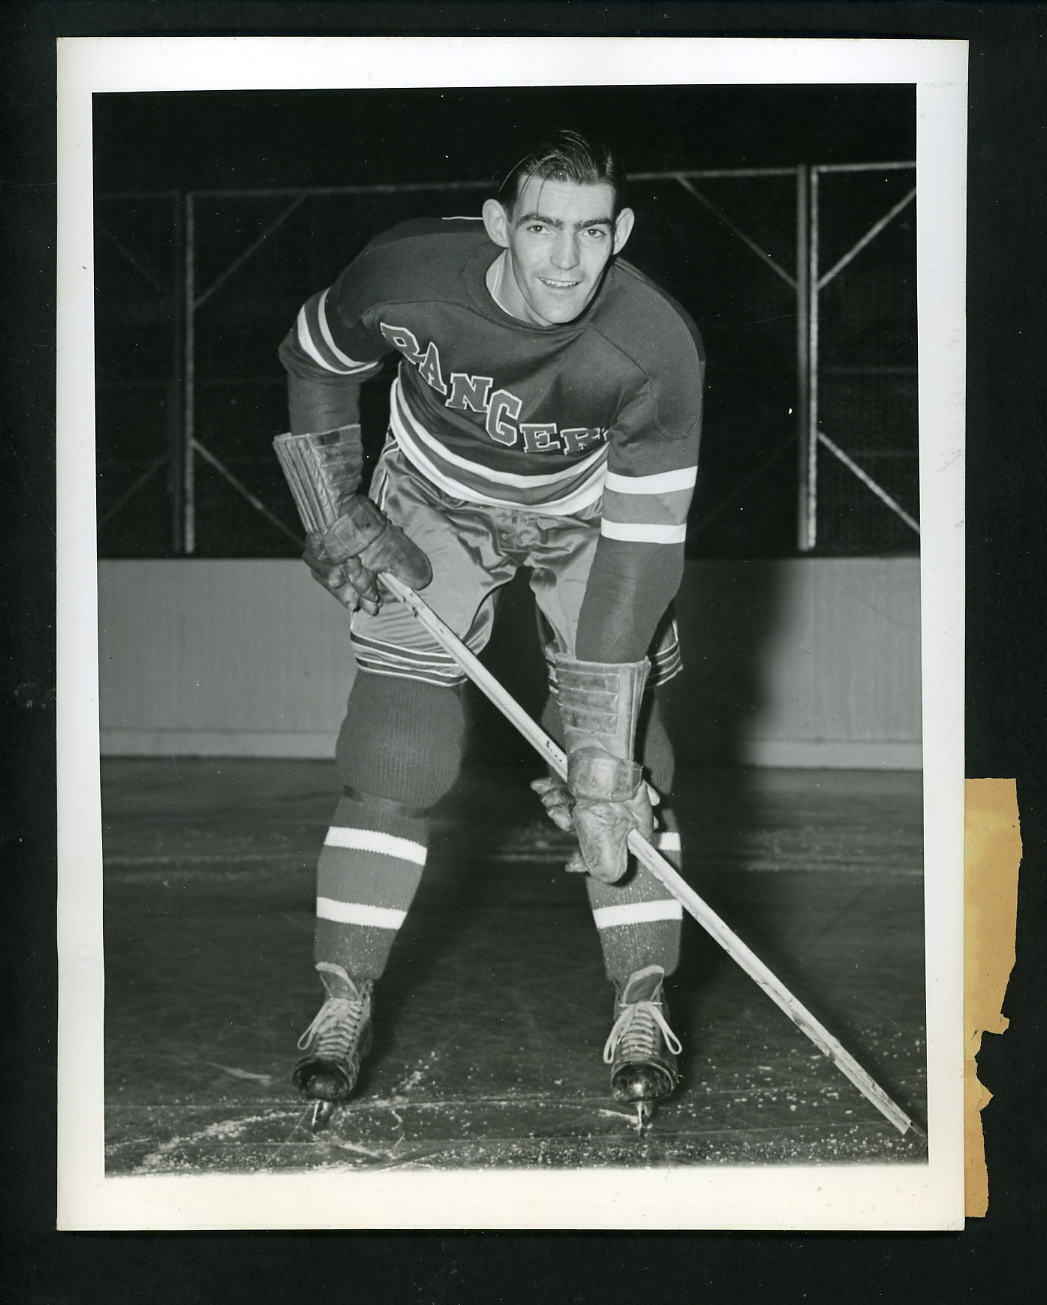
x: 560, y: 236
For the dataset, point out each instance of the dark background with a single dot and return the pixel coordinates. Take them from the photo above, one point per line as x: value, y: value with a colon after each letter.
x: 1000, y: 1258
x: 202, y: 140
x: 440, y: 152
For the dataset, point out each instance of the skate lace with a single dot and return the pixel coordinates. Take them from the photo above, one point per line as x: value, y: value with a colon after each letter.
x: 335, y: 1027
x: 637, y: 1032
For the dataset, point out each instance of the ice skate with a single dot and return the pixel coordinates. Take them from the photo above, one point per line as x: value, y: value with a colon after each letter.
x: 641, y: 1048
x: 335, y: 1042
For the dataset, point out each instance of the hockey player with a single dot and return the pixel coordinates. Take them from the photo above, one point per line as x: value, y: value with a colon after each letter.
x: 545, y: 414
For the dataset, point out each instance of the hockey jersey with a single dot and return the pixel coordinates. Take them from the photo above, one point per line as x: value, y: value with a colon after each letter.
x: 491, y: 409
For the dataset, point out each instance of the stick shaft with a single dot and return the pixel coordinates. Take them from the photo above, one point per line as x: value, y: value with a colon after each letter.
x: 653, y: 861
x: 741, y: 953
x: 479, y: 674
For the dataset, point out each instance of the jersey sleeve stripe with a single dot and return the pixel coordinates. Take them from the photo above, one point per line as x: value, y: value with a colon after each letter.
x: 305, y: 341
x: 325, y: 331
x: 309, y: 346
x: 635, y: 533
x: 662, y: 482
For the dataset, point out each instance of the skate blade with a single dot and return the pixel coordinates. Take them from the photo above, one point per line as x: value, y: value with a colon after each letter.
x: 644, y: 1116
x: 321, y: 1115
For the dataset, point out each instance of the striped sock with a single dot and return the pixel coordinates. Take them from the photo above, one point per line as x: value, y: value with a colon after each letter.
x: 369, y: 871
x: 639, y: 922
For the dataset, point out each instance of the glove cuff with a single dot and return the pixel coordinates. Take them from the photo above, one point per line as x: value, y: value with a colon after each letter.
x: 600, y: 704
x: 323, y: 472
x: 595, y: 776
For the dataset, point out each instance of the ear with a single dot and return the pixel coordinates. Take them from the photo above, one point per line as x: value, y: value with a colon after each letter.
x: 622, y: 227
x: 496, y: 222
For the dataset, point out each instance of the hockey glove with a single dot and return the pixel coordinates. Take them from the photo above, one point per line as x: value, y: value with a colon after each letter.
x: 347, y: 557
x: 599, y: 706
x: 555, y: 797
x: 348, y: 539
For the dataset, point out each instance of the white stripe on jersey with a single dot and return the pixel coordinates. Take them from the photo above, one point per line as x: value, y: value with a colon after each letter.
x: 597, y: 457
x: 306, y: 342
x: 634, y: 533
x: 325, y: 331
x: 309, y: 346
x: 668, y: 840
x: 662, y: 482
x: 612, y: 917
x: 581, y: 497
x: 378, y: 917
x: 370, y: 840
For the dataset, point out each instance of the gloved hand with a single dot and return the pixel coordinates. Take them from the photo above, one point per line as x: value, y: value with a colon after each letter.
x: 361, y: 542
x: 555, y: 797
x: 606, y: 797
x: 558, y: 803
x: 610, y: 800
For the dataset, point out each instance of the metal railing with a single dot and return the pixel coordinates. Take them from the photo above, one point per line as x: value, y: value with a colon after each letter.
x: 192, y: 288
x: 814, y: 439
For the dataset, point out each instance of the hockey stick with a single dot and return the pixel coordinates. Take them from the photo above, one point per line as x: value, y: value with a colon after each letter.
x: 653, y: 861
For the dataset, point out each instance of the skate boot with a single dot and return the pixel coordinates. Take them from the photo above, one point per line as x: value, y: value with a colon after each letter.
x: 642, y: 1048
x: 335, y: 1043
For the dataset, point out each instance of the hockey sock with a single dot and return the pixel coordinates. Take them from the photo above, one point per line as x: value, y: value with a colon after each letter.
x: 638, y: 919
x: 399, y: 751
x: 369, y: 871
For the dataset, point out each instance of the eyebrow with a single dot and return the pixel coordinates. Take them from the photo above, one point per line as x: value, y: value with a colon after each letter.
x: 559, y: 224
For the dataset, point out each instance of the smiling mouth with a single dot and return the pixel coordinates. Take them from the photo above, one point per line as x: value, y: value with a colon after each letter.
x: 558, y: 285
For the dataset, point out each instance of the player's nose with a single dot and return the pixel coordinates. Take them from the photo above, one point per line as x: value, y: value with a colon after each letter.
x: 565, y: 251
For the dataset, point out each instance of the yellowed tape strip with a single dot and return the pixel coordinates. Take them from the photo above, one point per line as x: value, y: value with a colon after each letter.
x: 992, y: 851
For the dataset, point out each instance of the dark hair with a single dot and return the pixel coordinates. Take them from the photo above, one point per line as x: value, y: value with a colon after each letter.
x: 567, y: 156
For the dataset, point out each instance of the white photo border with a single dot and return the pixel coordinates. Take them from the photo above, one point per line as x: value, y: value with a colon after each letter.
x: 850, y: 1197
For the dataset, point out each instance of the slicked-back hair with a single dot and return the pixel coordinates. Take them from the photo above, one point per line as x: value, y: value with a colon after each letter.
x: 567, y: 156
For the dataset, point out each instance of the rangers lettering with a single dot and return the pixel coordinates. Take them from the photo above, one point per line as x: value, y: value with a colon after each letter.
x: 429, y: 369
x: 540, y: 437
x: 404, y: 340
x: 503, y: 404
x: 501, y: 409
x: 470, y: 392
x: 577, y: 438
